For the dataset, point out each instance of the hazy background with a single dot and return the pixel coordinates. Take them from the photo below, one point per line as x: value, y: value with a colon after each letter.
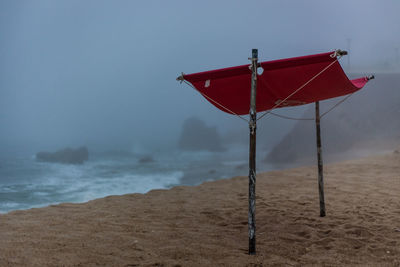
x: 102, y: 73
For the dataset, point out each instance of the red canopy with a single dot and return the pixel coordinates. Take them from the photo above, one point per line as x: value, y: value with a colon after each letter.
x: 308, y: 78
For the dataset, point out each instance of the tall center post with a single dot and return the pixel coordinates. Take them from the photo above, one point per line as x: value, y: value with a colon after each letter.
x: 252, y: 154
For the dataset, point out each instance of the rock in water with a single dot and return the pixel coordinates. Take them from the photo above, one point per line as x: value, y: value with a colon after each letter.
x: 146, y: 159
x: 66, y: 155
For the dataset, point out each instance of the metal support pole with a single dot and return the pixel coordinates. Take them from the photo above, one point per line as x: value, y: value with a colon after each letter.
x: 320, y: 163
x: 252, y: 155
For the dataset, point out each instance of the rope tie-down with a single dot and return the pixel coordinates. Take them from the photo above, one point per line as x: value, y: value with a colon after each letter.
x: 212, y: 100
x: 338, y: 54
x: 323, y: 114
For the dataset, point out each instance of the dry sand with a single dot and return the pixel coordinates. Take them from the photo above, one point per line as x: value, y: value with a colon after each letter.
x: 206, y: 225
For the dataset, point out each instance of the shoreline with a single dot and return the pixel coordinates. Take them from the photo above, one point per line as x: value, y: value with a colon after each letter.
x: 207, y: 224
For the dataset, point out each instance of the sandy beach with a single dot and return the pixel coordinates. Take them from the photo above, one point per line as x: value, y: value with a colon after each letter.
x: 206, y: 225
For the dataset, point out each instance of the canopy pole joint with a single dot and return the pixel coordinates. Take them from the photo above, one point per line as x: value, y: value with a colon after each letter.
x: 340, y: 53
x: 181, y: 78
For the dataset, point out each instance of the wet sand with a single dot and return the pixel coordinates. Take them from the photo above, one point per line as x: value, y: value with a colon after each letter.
x: 206, y: 225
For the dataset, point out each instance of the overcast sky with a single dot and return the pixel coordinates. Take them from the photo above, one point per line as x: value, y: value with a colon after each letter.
x: 102, y: 73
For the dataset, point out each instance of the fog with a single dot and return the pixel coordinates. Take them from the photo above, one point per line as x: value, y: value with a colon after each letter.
x: 102, y: 73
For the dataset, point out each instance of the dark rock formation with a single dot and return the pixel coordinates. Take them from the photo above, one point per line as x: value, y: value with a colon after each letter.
x: 196, y: 135
x: 146, y: 159
x: 67, y: 155
x: 368, y: 120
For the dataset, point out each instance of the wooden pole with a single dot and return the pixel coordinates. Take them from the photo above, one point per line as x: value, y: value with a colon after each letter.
x: 252, y: 155
x: 320, y: 163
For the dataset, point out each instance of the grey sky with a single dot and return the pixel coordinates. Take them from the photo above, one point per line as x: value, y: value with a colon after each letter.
x: 103, y: 72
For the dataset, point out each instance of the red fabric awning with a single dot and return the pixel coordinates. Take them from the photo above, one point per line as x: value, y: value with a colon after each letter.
x: 229, y: 89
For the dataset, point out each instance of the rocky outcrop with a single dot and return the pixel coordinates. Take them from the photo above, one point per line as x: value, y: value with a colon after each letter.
x: 146, y: 159
x: 66, y: 155
x: 196, y: 135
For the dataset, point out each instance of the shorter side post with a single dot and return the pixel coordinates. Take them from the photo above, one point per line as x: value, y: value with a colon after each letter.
x: 322, y: 212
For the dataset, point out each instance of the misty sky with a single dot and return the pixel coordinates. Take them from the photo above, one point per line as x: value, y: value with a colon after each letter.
x: 102, y: 73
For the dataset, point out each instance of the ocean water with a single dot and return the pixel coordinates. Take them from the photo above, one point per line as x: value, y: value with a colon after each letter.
x: 26, y: 183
